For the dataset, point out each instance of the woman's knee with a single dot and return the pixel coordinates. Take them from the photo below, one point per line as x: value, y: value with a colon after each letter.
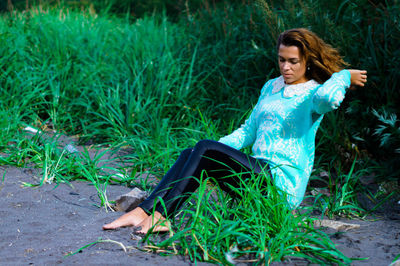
x: 186, y: 152
x: 204, y: 145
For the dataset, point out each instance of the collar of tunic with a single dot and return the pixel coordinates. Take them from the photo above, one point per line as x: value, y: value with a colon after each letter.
x: 292, y: 90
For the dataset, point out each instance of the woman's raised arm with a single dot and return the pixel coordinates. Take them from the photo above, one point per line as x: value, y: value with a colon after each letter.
x: 330, y: 95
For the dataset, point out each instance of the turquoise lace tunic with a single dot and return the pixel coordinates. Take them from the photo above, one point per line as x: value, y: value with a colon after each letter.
x: 283, y: 125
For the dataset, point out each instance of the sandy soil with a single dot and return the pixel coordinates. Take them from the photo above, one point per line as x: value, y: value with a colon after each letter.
x: 41, y: 225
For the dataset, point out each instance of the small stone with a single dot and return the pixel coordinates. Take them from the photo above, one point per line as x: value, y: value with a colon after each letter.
x: 131, y: 200
x: 366, y: 180
x: 71, y: 148
x: 31, y: 129
x: 336, y: 225
x: 135, y: 236
x: 317, y: 191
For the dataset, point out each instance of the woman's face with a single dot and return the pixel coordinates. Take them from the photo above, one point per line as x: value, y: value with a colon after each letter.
x: 291, y: 64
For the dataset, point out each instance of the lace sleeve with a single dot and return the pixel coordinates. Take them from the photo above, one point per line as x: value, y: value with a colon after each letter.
x: 330, y: 95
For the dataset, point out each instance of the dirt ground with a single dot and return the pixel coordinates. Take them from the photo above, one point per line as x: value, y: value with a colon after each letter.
x: 42, y: 225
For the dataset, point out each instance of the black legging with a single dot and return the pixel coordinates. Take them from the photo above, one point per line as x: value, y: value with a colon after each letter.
x: 212, y: 156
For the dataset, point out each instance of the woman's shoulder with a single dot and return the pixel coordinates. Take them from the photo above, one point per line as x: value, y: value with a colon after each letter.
x: 271, y: 85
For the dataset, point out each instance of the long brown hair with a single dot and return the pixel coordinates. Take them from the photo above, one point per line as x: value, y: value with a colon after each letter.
x: 322, y: 60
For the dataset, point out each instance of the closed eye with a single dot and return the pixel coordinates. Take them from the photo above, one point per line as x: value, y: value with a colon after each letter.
x: 292, y: 61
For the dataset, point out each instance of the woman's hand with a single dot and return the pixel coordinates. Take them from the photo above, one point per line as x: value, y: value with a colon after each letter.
x: 358, y: 77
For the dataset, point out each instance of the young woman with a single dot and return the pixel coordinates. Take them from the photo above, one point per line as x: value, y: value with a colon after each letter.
x: 281, y: 127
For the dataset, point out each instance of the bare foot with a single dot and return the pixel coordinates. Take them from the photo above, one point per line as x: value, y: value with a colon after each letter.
x: 156, y: 222
x: 132, y: 218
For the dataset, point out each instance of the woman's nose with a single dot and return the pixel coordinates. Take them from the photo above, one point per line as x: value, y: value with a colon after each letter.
x: 285, y: 66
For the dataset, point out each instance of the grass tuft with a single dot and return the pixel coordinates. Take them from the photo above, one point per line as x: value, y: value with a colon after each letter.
x: 257, y: 226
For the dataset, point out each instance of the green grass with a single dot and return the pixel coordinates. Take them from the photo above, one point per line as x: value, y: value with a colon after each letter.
x: 98, y: 241
x: 256, y: 227
x: 341, y: 197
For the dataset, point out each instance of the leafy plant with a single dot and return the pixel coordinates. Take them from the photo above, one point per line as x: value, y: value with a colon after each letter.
x: 388, y: 130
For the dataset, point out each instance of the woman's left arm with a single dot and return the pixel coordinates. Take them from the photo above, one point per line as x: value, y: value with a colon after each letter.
x: 330, y: 95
